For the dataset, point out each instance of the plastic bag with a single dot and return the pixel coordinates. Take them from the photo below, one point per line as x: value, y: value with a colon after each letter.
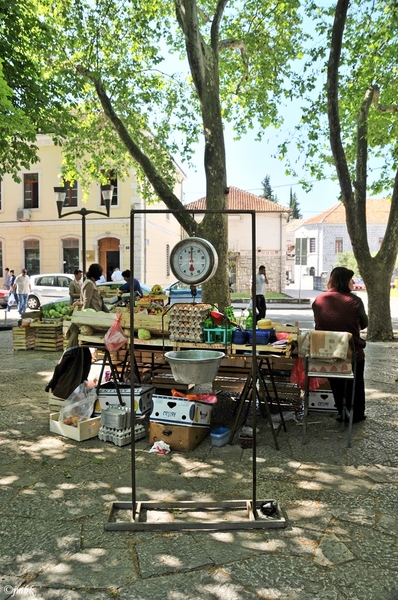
x: 11, y: 300
x: 81, y: 410
x: 115, y: 337
x: 297, y: 376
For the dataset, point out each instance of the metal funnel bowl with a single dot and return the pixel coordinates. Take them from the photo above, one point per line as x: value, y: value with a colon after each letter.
x: 194, y: 366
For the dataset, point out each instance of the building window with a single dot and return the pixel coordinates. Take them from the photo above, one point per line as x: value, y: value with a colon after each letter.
x: 312, y: 244
x: 32, y: 256
x: 301, y: 251
x: 1, y: 260
x: 70, y: 251
x: 168, y: 260
x: 71, y: 194
x: 31, y: 190
x: 113, y: 181
x: 338, y: 245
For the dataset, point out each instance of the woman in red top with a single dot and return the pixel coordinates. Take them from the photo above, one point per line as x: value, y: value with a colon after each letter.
x: 339, y: 309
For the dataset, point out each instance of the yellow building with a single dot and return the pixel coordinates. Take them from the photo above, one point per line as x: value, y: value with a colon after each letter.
x: 32, y: 236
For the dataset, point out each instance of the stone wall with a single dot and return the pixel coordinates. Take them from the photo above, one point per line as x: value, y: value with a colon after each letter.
x: 275, y: 265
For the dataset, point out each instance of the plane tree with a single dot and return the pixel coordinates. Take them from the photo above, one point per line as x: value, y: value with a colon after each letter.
x: 152, y: 77
x: 356, y: 109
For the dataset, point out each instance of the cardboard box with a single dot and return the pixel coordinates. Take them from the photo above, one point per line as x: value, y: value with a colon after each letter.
x: 84, y: 430
x: 321, y: 400
x: 179, y: 411
x: 179, y: 437
x: 107, y: 395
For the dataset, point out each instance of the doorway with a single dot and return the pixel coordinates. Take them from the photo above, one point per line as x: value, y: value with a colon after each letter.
x: 109, y: 255
x: 112, y: 261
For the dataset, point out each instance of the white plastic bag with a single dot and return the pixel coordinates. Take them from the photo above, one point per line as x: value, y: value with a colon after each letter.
x: 81, y: 410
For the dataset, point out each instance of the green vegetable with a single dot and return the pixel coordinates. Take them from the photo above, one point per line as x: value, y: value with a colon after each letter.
x: 144, y: 334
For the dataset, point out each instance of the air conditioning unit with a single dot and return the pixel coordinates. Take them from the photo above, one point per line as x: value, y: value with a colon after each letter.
x: 23, y: 214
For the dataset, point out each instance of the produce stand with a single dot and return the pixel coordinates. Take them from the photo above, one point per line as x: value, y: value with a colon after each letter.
x: 254, y: 514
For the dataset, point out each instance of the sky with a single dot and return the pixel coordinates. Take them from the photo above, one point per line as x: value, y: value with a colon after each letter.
x: 248, y: 163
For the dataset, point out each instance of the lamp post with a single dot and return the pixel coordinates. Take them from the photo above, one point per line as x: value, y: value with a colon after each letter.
x: 60, y: 194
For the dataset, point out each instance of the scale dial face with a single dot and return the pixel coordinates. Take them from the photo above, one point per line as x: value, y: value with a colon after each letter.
x: 193, y: 260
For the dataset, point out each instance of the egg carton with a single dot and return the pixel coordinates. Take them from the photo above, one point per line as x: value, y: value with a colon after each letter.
x: 121, y: 437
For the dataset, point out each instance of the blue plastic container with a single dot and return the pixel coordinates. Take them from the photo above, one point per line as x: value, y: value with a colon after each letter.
x: 239, y: 337
x: 263, y: 336
x: 220, y: 436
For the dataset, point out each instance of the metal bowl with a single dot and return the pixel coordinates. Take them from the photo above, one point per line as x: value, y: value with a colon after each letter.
x: 194, y: 366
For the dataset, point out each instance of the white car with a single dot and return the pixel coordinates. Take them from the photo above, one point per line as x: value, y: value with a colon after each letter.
x: 48, y: 286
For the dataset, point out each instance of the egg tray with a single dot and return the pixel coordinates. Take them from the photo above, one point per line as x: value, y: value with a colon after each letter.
x: 121, y: 437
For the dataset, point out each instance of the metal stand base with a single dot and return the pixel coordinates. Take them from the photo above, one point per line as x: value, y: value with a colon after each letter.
x: 253, y: 520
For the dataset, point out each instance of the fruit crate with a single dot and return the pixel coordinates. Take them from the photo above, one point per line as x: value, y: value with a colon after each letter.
x: 48, y: 337
x: 23, y: 338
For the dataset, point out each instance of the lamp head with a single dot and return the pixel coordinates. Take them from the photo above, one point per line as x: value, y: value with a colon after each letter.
x: 107, y: 193
x: 60, y: 194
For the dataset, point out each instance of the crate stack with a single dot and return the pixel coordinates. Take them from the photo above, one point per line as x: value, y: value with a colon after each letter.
x: 48, y: 336
x: 23, y: 338
x: 187, y: 321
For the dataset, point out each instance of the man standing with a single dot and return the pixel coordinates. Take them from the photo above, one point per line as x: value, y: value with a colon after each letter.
x: 261, y: 280
x: 22, y: 286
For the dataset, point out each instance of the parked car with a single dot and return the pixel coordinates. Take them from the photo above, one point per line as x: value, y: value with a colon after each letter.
x: 4, y: 298
x: 181, y: 292
x: 48, y: 286
x: 359, y: 283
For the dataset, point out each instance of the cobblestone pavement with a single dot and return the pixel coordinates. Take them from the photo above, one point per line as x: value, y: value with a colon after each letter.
x: 341, y: 539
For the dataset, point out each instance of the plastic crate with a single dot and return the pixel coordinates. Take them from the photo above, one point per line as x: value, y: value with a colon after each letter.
x: 220, y: 436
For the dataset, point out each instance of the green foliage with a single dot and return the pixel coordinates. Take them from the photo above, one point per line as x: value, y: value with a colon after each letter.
x: 138, y: 51
x: 294, y: 207
x: 31, y: 98
x: 370, y: 48
x: 347, y: 259
x: 268, y: 192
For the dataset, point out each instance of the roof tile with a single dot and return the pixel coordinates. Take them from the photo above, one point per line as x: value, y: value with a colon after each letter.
x: 241, y: 200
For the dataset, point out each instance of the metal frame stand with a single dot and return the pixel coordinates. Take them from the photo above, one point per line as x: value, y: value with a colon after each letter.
x: 255, y: 519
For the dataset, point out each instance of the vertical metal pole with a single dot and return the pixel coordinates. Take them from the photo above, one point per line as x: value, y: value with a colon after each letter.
x: 301, y: 258
x: 132, y: 359
x: 84, y: 245
x: 254, y: 367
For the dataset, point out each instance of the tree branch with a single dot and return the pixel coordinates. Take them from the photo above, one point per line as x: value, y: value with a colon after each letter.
x: 333, y: 100
x: 215, y: 26
x: 160, y: 186
x: 232, y: 43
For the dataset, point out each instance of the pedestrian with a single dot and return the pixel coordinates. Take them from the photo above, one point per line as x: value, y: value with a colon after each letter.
x: 116, y: 275
x: 91, y: 297
x: 339, y: 309
x: 261, y: 281
x: 125, y: 288
x: 75, y: 286
x: 7, y: 279
x: 22, y: 286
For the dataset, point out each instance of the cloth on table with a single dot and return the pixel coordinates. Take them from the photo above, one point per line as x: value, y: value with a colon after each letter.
x: 329, y: 345
x: 73, y: 368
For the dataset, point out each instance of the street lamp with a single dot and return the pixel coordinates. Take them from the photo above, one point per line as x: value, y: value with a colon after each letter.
x: 60, y: 194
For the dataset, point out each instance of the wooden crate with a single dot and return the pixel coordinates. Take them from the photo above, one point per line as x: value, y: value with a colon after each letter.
x: 152, y: 323
x: 49, y: 337
x: 23, y: 338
